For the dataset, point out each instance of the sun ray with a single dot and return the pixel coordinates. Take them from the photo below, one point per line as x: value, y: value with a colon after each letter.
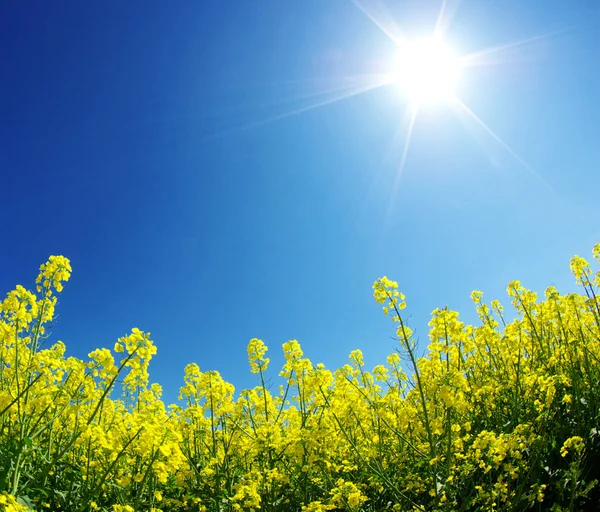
x: 444, y: 18
x: 439, y: 24
x: 406, y: 146
x: 480, y: 57
x: 343, y: 85
x: 490, y: 132
x: 376, y: 82
x: 395, y: 35
x: 414, y: 111
x: 350, y: 82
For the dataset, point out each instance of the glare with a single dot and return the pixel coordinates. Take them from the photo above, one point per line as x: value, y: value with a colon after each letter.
x: 427, y: 71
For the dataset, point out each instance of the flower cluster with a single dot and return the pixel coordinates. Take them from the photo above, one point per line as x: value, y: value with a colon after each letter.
x: 502, y: 415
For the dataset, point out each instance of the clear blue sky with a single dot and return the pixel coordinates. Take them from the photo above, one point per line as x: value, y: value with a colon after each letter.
x: 134, y: 141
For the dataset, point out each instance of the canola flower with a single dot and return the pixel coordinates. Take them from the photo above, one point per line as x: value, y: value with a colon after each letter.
x: 502, y: 415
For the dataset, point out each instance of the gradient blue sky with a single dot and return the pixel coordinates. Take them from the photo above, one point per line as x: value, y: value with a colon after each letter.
x: 148, y: 142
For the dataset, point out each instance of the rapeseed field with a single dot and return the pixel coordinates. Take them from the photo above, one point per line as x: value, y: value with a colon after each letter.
x: 503, y: 415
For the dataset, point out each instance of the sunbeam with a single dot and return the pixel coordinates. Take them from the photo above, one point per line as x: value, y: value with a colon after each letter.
x: 409, y: 132
x: 489, y: 131
x: 350, y: 83
x: 480, y: 58
x: 443, y: 19
x: 345, y: 93
x: 396, y: 36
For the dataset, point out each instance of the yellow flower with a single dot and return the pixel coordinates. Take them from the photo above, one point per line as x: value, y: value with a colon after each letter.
x: 256, y: 352
x: 9, y: 503
x: 575, y: 443
x: 580, y: 268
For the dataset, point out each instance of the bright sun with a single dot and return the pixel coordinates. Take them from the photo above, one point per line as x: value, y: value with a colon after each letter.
x: 427, y: 71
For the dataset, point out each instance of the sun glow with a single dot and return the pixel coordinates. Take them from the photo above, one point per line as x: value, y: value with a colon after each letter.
x: 427, y: 71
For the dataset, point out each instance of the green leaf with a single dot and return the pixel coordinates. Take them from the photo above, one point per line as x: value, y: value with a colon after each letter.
x: 26, y: 502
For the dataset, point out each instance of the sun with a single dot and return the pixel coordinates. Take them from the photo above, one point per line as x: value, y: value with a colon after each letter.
x: 427, y: 71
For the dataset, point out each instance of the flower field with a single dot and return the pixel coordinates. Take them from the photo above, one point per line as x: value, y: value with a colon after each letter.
x: 503, y: 415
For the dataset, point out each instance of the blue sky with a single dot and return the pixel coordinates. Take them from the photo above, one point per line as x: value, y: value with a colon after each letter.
x: 149, y: 142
